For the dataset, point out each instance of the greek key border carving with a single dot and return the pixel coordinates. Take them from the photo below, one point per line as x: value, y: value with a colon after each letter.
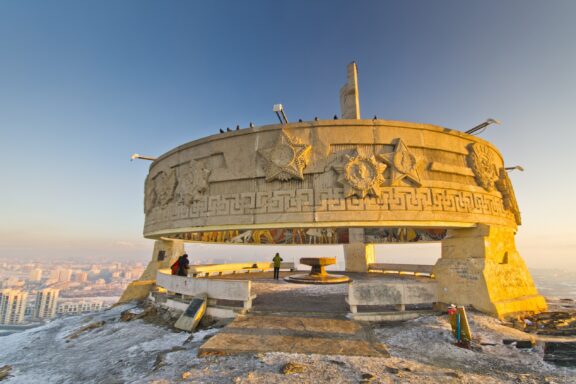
x: 332, y: 200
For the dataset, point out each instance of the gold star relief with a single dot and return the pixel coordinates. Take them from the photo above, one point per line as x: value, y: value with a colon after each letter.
x: 361, y: 175
x: 286, y: 159
x: 403, y: 164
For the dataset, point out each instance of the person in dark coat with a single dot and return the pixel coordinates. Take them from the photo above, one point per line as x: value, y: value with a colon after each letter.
x: 183, y: 264
x: 277, y: 262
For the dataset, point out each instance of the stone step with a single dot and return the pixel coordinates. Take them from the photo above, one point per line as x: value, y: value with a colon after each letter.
x: 293, y: 334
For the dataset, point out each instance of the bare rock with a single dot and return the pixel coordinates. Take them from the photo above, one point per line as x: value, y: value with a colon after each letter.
x: 521, y: 344
x: 367, y: 377
x: 339, y: 363
x: 86, y: 328
x: 392, y: 370
x: 291, y: 368
x: 160, y: 361
x: 5, y: 372
x: 525, y: 344
x: 131, y: 314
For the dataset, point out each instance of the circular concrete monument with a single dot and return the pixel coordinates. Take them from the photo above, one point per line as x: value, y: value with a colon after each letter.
x: 354, y: 182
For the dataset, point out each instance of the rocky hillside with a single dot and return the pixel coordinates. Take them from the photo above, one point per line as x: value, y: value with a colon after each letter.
x: 140, y: 347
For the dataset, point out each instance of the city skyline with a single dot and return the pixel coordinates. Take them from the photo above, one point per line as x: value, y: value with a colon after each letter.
x: 86, y: 85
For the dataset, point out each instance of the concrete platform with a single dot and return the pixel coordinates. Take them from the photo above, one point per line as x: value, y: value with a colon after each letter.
x: 320, y: 280
x: 294, y: 334
x: 279, y: 296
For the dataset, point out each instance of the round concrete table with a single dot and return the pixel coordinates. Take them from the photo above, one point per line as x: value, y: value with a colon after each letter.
x: 318, y: 273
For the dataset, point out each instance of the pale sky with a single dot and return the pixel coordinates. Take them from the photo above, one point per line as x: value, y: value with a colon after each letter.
x: 84, y: 84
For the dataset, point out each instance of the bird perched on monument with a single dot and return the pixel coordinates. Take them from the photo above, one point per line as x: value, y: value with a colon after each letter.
x: 221, y: 130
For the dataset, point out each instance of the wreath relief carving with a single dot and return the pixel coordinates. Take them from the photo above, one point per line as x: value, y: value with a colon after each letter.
x: 481, y: 160
x: 361, y: 175
x: 504, y: 185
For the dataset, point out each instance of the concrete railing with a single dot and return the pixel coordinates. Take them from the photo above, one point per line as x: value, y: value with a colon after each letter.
x: 384, y: 293
x: 233, y: 290
x: 221, y: 269
x: 416, y: 269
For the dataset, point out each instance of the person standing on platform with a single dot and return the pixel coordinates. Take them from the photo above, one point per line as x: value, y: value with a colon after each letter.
x: 277, y: 262
x: 183, y: 265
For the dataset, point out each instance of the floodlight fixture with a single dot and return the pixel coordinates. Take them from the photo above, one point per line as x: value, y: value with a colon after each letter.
x: 141, y: 157
x: 279, y: 109
x: 481, y: 127
x: 518, y: 167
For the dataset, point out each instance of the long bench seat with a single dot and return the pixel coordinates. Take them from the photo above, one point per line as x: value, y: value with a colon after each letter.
x: 416, y: 269
x: 221, y: 269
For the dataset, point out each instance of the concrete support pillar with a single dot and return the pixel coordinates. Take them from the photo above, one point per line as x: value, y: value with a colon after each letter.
x: 481, y: 267
x: 358, y: 255
x: 165, y: 253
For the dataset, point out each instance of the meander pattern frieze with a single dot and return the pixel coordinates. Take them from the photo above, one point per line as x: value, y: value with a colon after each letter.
x: 362, y: 179
x: 332, y: 200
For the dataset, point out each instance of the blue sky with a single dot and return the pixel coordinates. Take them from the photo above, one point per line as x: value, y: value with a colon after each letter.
x: 85, y: 84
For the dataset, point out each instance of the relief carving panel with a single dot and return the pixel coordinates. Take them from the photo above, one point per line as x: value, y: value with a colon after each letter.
x: 481, y: 159
x: 286, y: 159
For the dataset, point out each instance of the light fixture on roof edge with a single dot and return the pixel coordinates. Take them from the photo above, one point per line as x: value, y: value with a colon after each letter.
x: 279, y: 109
x: 518, y: 167
x: 481, y: 127
x: 141, y: 157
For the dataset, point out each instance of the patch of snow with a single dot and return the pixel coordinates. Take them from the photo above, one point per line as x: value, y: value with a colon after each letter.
x: 421, y: 350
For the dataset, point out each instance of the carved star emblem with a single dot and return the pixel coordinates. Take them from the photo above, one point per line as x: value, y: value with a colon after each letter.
x: 361, y: 175
x: 286, y: 159
x: 403, y: 164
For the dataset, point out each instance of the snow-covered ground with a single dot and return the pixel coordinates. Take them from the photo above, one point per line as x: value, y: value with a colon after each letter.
x: 422, y: 351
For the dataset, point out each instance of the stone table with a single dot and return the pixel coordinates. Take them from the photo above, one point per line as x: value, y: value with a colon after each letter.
x: 318, y: 273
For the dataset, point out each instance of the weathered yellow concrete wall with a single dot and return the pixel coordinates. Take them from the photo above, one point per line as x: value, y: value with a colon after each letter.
x: 139, y: 289
x: 481, y: 267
